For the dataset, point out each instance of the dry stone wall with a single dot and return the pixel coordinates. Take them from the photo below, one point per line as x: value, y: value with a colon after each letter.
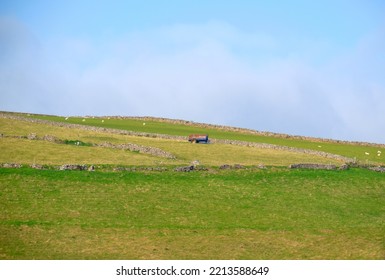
x: 283, y: 148
x: 313, y: 166
x: 138, y: 148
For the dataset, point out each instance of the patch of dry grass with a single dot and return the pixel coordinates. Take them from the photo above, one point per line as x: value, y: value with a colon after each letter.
x: 42, y: 152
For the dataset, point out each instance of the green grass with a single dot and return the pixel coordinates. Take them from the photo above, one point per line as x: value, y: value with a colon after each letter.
x: 270, y: 214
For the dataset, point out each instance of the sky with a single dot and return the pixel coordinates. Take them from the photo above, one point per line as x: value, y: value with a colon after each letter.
x: 311, y: 68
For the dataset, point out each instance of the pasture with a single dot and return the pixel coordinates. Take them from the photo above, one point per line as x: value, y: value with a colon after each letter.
x: 247, y: 213
x: 363, y: 153
x: 242, y: 214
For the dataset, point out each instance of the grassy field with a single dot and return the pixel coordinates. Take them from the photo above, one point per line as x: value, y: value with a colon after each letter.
x: 267, y: 214
x: 252, y: 213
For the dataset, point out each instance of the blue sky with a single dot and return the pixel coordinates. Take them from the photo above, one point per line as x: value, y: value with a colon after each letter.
x: 313, y: 68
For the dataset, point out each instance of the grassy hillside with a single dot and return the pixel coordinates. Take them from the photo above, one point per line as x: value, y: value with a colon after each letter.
x: 43, y: 152
x: 250, y: 213
x: 363, y: 153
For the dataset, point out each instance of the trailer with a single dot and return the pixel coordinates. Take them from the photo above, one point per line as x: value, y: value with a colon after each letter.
x: 198, y: 138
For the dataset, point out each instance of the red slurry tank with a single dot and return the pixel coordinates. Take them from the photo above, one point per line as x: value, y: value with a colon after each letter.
x: 198, y: 138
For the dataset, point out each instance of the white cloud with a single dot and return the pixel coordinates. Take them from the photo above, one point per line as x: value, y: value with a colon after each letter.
x: 201, y: 73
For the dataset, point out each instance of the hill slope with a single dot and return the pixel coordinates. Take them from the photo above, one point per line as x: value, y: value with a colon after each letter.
x: 176, y: 132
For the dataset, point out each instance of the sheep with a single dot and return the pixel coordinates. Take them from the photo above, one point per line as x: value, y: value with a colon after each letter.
x: 366, y: 153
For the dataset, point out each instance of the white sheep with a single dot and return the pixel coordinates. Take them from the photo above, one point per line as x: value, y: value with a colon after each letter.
x: 366, y: 153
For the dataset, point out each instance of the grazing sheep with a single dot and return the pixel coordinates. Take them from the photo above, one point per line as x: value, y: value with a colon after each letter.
x: 366, y: 153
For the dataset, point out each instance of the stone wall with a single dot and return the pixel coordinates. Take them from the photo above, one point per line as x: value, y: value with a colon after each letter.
x: 313, y: 166
x: 282, y: 148
x: 138, y: 148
